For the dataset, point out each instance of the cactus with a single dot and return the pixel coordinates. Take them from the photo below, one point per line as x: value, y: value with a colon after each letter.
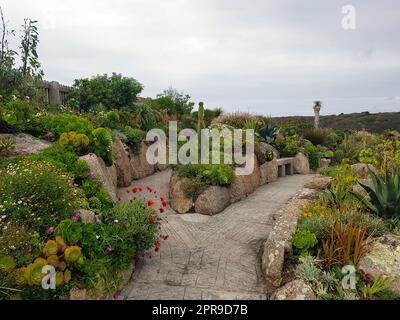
x: 67, y: 276
x: 53, y: 260
x: 7, y: 264
x: 72, y: 254
x: 50, y: 248
x: 33, y: 274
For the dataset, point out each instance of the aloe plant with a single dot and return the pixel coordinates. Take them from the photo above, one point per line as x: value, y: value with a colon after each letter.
x: 384, y: 196
x: 269, y: 133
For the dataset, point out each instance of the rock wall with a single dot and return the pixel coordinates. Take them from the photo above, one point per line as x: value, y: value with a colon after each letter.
x: 25, y: 144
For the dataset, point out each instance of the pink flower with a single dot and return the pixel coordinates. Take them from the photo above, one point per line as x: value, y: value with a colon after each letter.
x: 88, y: 174
x: 109, y: 250
x: 74, y: 218
x: 50, y: 230
x: 49, y: 135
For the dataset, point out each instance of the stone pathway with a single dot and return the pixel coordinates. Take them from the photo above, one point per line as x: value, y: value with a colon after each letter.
x: 211, y: 257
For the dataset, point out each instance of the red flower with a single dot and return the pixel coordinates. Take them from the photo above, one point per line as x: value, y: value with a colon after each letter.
x: 164, y: 204
x: 162, y: 210
x: 134, y: 190
x: 162, y: 199
x: 127, y: 190
x: 150, y: 203
x: 150, y: 219
x: 149, y: 189
x: 140, y: 189
x: 157, y: 249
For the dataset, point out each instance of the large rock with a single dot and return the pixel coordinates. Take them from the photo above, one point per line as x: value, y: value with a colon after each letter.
x: 278, y: 242
x: 25, y: 144
x: 122, y: 163
x: 264, y: 147
x: 294, y: 290
x: 319, y: 183
x: 269, y: 172
x: 107, y: 176
x: 213, y: 200
x: 87, y: 216
x: 139, y: 164
x: 324, y: 162
x: 383, y: 260
x: 179, y: 201
x: 362, y: 170
x: 301, y: 164
x: 358, y: 189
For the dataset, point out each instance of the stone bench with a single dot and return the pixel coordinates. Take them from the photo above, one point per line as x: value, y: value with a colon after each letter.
x: 285, y: 167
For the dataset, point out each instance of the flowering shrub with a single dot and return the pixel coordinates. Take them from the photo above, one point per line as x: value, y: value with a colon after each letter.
x: 38, y: 192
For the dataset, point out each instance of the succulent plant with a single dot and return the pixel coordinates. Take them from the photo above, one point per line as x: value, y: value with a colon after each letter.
x: 33, y: 273
x: 67, y: 276
x: 7, y: 263
x: 62, y: 265
x: 59, y: 279
x: 53, y: 260
x: 72, y: 254
x: 50, y: 248
x: 19, y: 276
x: 41, y: 261
x: 70, y: 231
x: 60, y: 244
x: 269, y: 133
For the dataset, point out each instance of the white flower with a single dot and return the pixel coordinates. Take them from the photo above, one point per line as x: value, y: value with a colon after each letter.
x: 97, y: 237
x: 116, y: 221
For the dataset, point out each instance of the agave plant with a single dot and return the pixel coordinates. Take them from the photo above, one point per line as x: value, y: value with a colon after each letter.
x: 384, y: 197
x: 269, y: 133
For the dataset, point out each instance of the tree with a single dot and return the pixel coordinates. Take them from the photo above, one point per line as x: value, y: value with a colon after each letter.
x: 113, y: 92
x: 29, y: 42
x: 174, y: 102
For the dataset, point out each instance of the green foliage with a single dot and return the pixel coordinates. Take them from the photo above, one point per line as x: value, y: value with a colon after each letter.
x: 379, y: 286
x: 313, y: 154
x: 134, y: 138
x: 193, y: 187
x: 145, y: 116
x: 385, y: 156
x: 77, y: 142
x: 20, y: 114
x: 308, y: 270
x: 113, y: 91
x: 316, y: 137
x: 64, y: 123
x: 6, y: 146
x: 174, y: 103
x: 70, y: 231
x: 269, y: 133
x: 288, y: 146
x: 103, y: 145
x: 209, y: 174
x: 384, y: 196
x: 94, y: 189
x: 304, y: 241
x: 329, y: 154
x: 236, y: 120
x: 38, y: 192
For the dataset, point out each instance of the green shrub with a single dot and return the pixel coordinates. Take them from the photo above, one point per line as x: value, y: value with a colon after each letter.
x: 288, y: 146
x: 63, y: 123
x: 70, y: 231
x: 217, y: 174
x: 134, y: 138
x: 112, y: 119
x: 103, y: 145
x: 77, y: 142
x: 193, y: 187
x: 19, y: 114
x: 304, y: 240
x: 6, y: 146
x: 329, y: 154
x: 38, y: 192
x: 94, y: 189
x: 313, y: 154
x: 65, y: 160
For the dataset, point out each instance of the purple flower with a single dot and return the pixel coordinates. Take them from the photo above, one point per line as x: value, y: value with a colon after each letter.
x: 50, y: 135
x: 109, y: 250
x: 50, y: 230
x: 74, y: 218
x: 88, y: 174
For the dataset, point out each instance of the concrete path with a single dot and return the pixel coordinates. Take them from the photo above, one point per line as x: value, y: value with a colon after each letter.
x: 211, y: 257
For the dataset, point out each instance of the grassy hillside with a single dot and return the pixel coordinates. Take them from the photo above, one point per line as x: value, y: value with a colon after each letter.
x: 373, y: 122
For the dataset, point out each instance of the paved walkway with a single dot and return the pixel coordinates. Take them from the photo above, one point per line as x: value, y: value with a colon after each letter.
x: 211, y: 257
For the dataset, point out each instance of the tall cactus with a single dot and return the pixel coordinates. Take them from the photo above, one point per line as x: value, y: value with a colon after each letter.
x: 200, y: 118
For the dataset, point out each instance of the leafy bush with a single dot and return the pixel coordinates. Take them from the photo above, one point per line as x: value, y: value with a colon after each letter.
x: 313, y: 154
x: 64, y: 160
x: 217, y: 174
x: 96, y: 193
x: 145, y: 117
x: 384, y: 197
x: 103, y: 145
x: 38, y: 192
x: 329, y: 154
x: 64, y: 123
x: 20, y: 115
x: 288, y: 146
x: 316, y: 137
x: 134, y: 138
x: 77, y: 142
x: 193, y: 187
x: 304, y: 241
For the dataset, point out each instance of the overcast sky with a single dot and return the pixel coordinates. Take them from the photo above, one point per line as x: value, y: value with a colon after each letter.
x: 263, y: 56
